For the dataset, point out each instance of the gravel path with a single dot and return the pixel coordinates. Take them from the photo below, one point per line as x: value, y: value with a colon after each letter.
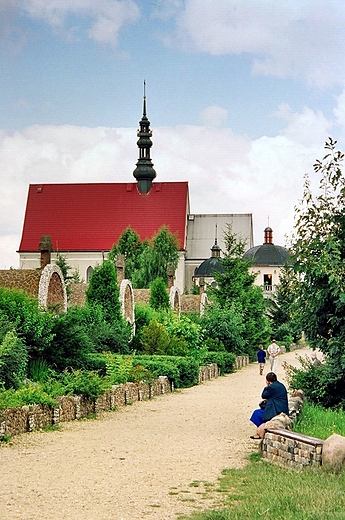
x: 150, y: 460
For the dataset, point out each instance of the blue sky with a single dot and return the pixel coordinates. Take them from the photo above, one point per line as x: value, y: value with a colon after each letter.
x: 241, y: 96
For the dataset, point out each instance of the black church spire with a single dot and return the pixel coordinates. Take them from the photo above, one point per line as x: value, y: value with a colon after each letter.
x: 144, y: 172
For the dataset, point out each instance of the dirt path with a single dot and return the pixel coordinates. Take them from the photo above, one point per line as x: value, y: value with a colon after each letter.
x: 145, y: 461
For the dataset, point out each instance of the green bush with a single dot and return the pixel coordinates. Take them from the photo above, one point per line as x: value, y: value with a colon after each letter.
x: 182, y: 371
x: 314, y: 381
x: 118, y: 368
x: 159, y: 366
x: 13, y: 361
x: 225, y: 325
x: 224, y: 360
x: 84, y: 383
x: 38, y: 370
x: 33, y: 326
x: 155, y: 338
x: 103, y: 291
x: 31, y: 393
x: 159, y: 298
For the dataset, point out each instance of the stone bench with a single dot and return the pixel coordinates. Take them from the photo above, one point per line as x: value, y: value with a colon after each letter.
x: 292, y: 449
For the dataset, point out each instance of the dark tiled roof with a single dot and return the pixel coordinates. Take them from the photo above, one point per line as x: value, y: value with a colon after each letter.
x: 92, y: 217
x: 267, y: 254
x: 208, y: 267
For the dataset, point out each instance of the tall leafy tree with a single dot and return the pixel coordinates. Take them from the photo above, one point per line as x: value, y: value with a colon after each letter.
x: 282, y: 309
x: 319, y: 261
x: 131, y: 247
x: 156, y: 258
x: 236, y: 293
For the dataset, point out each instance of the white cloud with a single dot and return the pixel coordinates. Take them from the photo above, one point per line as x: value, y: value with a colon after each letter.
x: 106, y: 17
x: 287, y: 39
x: 214, y: 116
x: 227, y: 173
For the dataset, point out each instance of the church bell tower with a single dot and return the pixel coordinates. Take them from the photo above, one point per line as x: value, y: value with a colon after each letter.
x: 144, y: 171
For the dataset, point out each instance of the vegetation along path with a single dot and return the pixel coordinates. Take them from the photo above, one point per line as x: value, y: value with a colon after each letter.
x: 151, y: 460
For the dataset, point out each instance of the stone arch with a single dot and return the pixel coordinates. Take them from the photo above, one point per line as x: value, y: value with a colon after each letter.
x: 127, y: 301
x: 52, y: 288
x: 203, y: 303
x: 175, y: 300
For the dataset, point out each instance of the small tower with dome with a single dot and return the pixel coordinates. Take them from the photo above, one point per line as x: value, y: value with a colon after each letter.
x: 267, y: 261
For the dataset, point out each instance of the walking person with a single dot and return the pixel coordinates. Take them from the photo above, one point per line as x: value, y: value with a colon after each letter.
x: 273, y: 351
x: 261, y: 355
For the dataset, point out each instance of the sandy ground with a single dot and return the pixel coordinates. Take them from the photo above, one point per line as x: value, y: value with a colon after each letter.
x: 150, y: 460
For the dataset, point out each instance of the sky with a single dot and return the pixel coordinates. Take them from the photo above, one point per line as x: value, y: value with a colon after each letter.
x: 241, y: 96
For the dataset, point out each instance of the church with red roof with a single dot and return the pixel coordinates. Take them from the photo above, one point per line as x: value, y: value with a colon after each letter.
x: 84, y: 220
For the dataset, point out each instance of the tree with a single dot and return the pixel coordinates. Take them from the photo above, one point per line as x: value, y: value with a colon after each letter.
x: 104, y: 291
x: 159, y: 298
x: 236, y: 293
x: 156, y: 259
x: 130, y: 246
x: 282, y: 311
x: 319, y: 253
x: 318, y: 259
x: 65, y: 268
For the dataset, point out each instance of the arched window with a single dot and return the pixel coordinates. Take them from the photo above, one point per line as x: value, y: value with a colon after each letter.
x: 89, y: 272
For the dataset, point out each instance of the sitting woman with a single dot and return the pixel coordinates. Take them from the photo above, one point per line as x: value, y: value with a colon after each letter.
x: 274, y: 396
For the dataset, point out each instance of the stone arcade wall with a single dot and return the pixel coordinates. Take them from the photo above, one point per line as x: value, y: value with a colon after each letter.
x: 46, y: 285
x: 26, y: 279
x: 292, y: 449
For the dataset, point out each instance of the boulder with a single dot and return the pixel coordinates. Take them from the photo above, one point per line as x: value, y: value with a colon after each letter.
x: 279, y: 422
x: 333, y: 452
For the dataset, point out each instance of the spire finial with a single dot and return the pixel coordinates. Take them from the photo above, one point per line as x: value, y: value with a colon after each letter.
x: 144, y: 172
x: 144, y: 107
x: 215, y: 249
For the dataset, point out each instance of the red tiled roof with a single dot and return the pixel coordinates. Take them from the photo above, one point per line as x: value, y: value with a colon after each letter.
x: 92, y: 217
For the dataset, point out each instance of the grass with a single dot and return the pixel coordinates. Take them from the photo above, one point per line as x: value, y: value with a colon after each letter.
x: 319, y: 422
x: 264, y: 490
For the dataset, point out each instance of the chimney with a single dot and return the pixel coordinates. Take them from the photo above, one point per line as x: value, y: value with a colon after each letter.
x: 120, y: 268
x: 45, y: 246
x: 171, y: 274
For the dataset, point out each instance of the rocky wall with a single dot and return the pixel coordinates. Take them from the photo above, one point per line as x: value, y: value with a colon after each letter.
x: 292, y: 449
x: 14, y: 421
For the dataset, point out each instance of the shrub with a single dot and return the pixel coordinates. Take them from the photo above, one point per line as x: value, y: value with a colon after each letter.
x: 182, y: 371
x: 314, y: 381
x: 13, y: 360
x: 154, y: 338
x: 224, y: 360
x: 118, y: 368
x: 226, y: 326
x: 82, y: 382
x: 31, y: 393
x: 33, y: 326
x: 159, y: 298
x: 159, y: 366
x: 104, y: 291
x: 38, y: 370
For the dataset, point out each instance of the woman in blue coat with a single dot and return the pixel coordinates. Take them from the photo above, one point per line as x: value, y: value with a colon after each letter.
x: 275, y: 397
